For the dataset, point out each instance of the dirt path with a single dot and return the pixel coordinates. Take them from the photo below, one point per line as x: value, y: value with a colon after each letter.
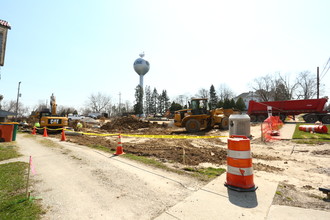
x: 76, y: 182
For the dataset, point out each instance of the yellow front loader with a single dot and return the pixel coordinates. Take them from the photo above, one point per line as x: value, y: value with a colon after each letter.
x: 199, y: 116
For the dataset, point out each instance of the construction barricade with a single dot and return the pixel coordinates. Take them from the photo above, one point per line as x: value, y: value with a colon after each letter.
x: 270, y: 128
x: 239, y: 165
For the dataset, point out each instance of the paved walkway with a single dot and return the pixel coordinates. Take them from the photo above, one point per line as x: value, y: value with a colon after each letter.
x: 215, y: 201
x: 286, y: 132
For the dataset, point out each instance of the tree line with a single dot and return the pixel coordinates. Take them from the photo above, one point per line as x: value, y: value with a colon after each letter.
x: 271, y: 87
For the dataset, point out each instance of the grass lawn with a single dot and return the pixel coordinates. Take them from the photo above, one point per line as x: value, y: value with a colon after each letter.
x: 13, y: 201
x: 8, y: 151
x: 307, y: 137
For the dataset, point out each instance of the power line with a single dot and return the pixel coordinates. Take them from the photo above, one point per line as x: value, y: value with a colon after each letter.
x: 325, y: 66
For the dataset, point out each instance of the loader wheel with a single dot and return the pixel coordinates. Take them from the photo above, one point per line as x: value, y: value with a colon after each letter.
x: 193, y: 125
x: 224, y: 123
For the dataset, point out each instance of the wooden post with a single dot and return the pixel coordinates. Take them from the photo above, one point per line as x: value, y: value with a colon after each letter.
x: 183, y: 156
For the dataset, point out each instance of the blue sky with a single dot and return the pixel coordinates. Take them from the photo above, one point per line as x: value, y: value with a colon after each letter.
x: 76, y: 48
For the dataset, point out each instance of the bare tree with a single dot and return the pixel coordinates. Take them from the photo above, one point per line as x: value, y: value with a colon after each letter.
x: 11, y: 107
x: 99, y: 102
x: 224, y: 92
x: 284, y: 88
x: 182, y: 100
x: 203, y: 94
x: 264, y: 87
x: 307, y: 87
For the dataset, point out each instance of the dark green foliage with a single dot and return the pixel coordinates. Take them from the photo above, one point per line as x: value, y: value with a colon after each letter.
x: 175, y: 107
x: 240, y: 105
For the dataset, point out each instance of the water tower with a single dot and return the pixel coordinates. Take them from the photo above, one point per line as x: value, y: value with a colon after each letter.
x: 141, y: 67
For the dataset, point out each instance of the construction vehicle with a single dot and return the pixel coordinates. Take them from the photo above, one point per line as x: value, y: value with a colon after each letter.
x: 314, y: 110
x: 48, y: 118
x: 199, y: 116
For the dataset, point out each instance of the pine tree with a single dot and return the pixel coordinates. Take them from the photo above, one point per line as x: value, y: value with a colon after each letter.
x: 154, y: 102
x: 240, y: 105
x: 175, y: 107
x: 138, y: 107
x: 147, y: 102
x: 226, y: 104
x: 232, y: 103
x: 213, y: 98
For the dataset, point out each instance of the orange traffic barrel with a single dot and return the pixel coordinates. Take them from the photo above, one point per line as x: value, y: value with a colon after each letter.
x: 239, y: 164
x: 315, y: 128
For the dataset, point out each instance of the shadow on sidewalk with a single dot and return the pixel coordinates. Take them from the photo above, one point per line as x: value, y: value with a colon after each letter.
x: 243, y: 199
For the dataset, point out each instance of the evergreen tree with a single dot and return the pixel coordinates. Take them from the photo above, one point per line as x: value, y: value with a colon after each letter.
x: 232, y: 103
x: 138, y: 107
x: 226, y: 104
x: 147, y: 102
x: 154, y: 102
x: 220, y: 104
x: 240, y: 105
x: 175, y: 107
x: 166, y: 100
x: 213, y: 98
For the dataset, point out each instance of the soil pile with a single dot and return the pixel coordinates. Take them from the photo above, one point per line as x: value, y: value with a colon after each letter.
x: 128, y: 123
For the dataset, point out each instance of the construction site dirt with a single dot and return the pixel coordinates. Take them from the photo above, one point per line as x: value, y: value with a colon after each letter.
x: 300, y: 169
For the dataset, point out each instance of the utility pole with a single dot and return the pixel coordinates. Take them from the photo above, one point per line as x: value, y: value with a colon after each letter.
x: 119, y: 103
x: 318, y: 83
x: 18, y: 95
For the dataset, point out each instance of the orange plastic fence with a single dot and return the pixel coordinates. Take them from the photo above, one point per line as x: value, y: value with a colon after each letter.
x: 271, y: 127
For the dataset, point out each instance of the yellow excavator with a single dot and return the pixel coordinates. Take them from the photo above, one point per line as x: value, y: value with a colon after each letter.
x: 50, y: 119
x: 199, y: 116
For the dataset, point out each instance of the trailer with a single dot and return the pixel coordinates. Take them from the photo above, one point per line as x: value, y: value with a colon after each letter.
x: 314, y: 110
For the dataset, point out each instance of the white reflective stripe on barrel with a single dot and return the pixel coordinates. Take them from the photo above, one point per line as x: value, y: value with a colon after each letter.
x: 239, y: 154
x: 240, y: 171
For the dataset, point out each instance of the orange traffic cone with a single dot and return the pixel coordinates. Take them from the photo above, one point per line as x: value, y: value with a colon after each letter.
x: 45, y: 132
x: 34, y: 131
x: 119, y: 149
x: 63, y: 136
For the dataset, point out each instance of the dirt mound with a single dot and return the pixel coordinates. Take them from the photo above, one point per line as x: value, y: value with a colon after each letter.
x: 128, y: 123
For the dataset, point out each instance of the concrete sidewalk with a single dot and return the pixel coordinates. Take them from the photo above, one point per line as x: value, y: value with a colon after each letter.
x: 215, y: 201
x: 286, y: 132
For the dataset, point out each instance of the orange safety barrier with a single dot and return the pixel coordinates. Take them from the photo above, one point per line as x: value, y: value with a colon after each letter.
x: 271, y: 127
x: 314, y: 128
x: 239, y: 165
x: 63, y: 138
x: 45, y: 132
x: 119, y: 149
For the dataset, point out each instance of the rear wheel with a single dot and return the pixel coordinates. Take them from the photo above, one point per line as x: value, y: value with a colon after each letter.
x: 311, y: 118
x: 326, y: 119
x: 224, y: 123
x: 261, y: 118
x: 253, y: 118
x: 193, y: 125
x: 282, y: 117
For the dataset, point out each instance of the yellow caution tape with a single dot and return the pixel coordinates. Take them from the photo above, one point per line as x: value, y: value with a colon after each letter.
x: 171, y: 136
x: 143, y: 135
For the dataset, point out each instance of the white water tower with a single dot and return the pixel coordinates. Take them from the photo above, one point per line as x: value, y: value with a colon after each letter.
x: 141, y: 67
